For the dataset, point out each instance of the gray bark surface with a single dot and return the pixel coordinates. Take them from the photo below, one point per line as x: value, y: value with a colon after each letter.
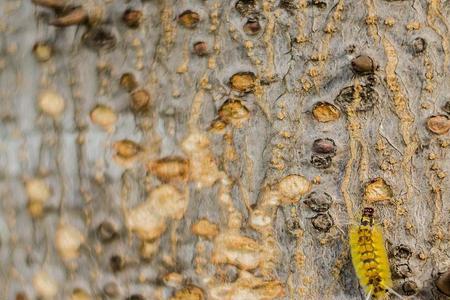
x: 302, y: 55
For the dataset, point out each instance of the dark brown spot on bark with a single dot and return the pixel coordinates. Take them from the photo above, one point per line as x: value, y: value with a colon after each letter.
x: 21, y: 296
x: 402, y: 252
x: 136, y: 297
x: 288, y: 4
x: 318, y: 201
x: 252, y: 26
x: 402, y: 270
x: 443, y: 283
x: 132, y: 17
x: 140, y: 99
x: 201, y: 48
x: 111, y: 289
x: 363, y: 64
x: 318, y: 3
x: 321, y: 162
x: 324, y: 146
x: 419, y: 45
x: 99, y: 38
x: 446, y: 107
x: 189, y: 19
x: 410, y: 288
x: 116, y: 263
x: 128, y: 82
x: 369, y: 97
x: 106, y: 231
x: 245, y: 7
x: 322, y: 222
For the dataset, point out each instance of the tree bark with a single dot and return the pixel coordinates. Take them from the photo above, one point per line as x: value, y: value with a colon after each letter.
x: 221, y: 149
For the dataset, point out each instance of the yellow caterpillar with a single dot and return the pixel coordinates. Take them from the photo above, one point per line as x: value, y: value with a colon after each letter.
x: 369, y: 256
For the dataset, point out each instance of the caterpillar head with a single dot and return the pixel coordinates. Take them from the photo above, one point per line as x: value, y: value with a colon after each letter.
x: 368, y: 211
x: 367, y: 216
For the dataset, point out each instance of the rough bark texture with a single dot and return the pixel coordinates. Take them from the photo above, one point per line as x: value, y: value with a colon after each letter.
x: 212, y: 180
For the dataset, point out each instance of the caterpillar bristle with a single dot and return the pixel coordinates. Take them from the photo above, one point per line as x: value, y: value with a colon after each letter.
x: 369, y: 256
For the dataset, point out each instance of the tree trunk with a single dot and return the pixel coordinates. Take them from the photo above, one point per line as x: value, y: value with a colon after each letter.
x: 221, y: 149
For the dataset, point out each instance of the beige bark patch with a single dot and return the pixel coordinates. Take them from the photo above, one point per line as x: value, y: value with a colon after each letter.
x: 126, y: 152
x: 45, y: 285
x: 51, y: 103
x: 173, y: 168
x: 35, y: 208
x: 233, y: 248
x: 243, y: 82
x: 126, y: 149
x: 103, y: 116
x: 37, y: 190
x: 438, y: 124
x: 247, y: 286
x: 68, y: 240
x: 42, y: 51
x: 260, y: 219
x: 190, y: 292
x: 146, y: 223
x: 325, y: 112
x: 205, y: 228
x: 173, y: 279
x: 218, y: 126
x: 203, y: 168
x: 148, y: 220
x: 169, y: 201
x: 148, y: 249
x: 377, y: 190
x: 79, y: 294
x: 293, y: 187
x: 233, y: 111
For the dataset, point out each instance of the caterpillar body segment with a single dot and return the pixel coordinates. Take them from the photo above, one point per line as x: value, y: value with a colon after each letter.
x: 369, y: 256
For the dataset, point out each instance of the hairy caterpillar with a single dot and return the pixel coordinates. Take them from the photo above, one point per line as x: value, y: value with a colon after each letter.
x: 369, y: 256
